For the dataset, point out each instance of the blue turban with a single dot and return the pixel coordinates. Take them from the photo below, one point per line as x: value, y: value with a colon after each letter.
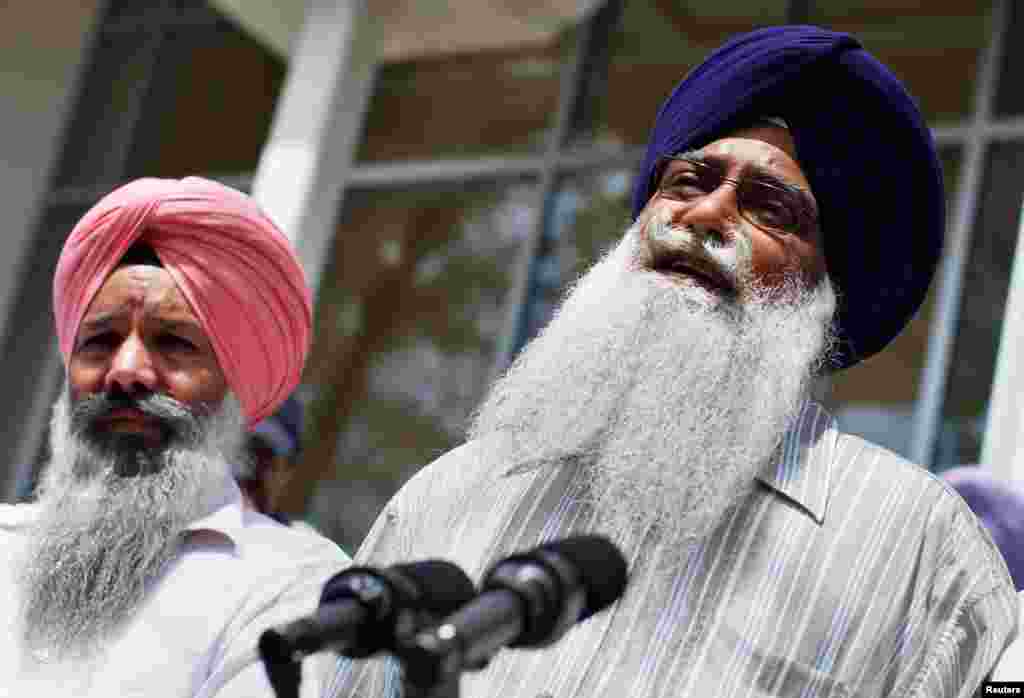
x: 863, y: 146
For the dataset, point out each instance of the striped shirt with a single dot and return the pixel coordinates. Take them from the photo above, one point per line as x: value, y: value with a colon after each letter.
x: 848, y: 571
x: 1011, y: 664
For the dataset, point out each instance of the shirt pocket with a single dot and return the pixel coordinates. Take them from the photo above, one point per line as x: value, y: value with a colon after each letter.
x: 781, y: 676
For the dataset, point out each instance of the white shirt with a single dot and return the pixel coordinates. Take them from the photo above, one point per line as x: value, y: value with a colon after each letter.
x: 196, y: 636
x: 1011, y: 664
x: 847, y: 572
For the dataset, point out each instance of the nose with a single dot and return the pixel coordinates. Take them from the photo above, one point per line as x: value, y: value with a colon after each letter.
x: 131, y: 368
x: 715, y: 214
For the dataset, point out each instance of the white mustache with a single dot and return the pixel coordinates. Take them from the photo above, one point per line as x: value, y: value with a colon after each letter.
x: 695, y: 243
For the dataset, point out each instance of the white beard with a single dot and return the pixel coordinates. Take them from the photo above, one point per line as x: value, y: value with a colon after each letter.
x: 670, y: 399
x: 103, y: 538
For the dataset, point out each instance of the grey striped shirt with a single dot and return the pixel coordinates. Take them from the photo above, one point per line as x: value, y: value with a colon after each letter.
x: 847, y: 572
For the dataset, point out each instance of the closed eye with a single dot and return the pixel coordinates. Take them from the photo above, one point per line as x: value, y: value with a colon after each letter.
x: 774, y: 214
x: 101, y: 340
x: 684, y: 185
x: 173, y: 342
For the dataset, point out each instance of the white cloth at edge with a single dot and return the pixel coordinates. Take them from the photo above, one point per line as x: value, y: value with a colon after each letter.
x: 196, y: 636
x: 1011, y: 664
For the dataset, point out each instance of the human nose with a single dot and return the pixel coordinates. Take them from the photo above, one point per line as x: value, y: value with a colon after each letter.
x: 131, y: 368
x: 715, y: 214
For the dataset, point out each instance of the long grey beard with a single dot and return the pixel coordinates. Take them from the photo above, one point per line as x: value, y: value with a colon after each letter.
x: 102, y: 539
x: 670, y: 400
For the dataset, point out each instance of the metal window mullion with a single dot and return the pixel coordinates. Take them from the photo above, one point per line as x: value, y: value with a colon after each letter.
x: 122, y: 145
x: 1002, y: 449
x: 934, y: 377
x: 1009, y: 129
x: 393, y: 175
x: 799, y: 11
x: 570, y: 90
x: 1003, y: 441
x: 52, y: 372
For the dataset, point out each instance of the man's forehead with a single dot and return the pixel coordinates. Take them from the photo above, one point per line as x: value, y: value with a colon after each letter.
x: 146, y: 289
x: 766, y: 147
x: 775, y: 136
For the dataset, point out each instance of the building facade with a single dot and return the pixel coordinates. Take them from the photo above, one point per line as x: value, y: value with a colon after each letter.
x: 446, y: 171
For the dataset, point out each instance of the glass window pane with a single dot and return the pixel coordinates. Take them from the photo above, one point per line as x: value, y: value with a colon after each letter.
x: 600, y: 202
x: 29, y: 347
x: 986, y: 284
x: 410, y: 314
x: 133, y: 15
x: 470, y: 104
x: 215, y: 90
x: 1009, y: 97
x: 658, y: 43
x: 593, y: 215
x: 875, y: 399
x: 170, y: 99
x: 590, y: 214
x: 933, y: 47
x: 100, y: 133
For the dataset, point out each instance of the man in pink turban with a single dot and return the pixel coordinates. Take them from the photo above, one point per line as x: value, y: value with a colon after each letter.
x: 183, y: 318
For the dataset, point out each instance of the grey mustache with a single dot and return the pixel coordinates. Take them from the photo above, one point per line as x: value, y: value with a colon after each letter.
x: 666, y: 242
x: 179, y: 421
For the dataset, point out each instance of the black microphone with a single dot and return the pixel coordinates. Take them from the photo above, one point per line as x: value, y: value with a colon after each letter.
x: 364, y: 610
x: 527, y: 600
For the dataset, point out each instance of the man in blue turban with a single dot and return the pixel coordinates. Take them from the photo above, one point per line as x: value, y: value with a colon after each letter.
x: 788, y: 217
x: 271, y: 448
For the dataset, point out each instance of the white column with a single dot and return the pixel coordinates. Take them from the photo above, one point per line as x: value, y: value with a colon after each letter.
x: 1003, y: 449
x: 309, y: 153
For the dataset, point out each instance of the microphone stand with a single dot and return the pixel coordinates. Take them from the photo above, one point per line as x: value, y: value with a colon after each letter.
x: 448, y: 689
x: 429, y: 668
x: 284, y: 671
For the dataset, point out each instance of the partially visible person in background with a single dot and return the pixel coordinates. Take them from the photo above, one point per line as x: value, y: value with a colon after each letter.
x: 1000, y: 506
x: 183, y: 318
x: 272, y: 447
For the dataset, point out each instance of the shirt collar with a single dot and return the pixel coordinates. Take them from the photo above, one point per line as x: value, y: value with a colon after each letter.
x: 225, y: 523
x: 803, y: 467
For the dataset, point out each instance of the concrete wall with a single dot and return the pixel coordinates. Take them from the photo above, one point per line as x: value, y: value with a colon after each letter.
x: 39, y: 66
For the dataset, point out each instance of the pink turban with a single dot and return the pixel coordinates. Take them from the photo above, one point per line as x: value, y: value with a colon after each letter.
x: 237, y: 271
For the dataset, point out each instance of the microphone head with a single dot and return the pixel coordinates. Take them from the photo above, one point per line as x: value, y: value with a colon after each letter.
x: 436, y: 586
x: 431, y: 586
x: 398, y: 600
x: 600, y: 566
x: 560, y: 584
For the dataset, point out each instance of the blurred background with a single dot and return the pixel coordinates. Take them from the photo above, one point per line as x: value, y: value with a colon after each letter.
x: 445, y: 169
